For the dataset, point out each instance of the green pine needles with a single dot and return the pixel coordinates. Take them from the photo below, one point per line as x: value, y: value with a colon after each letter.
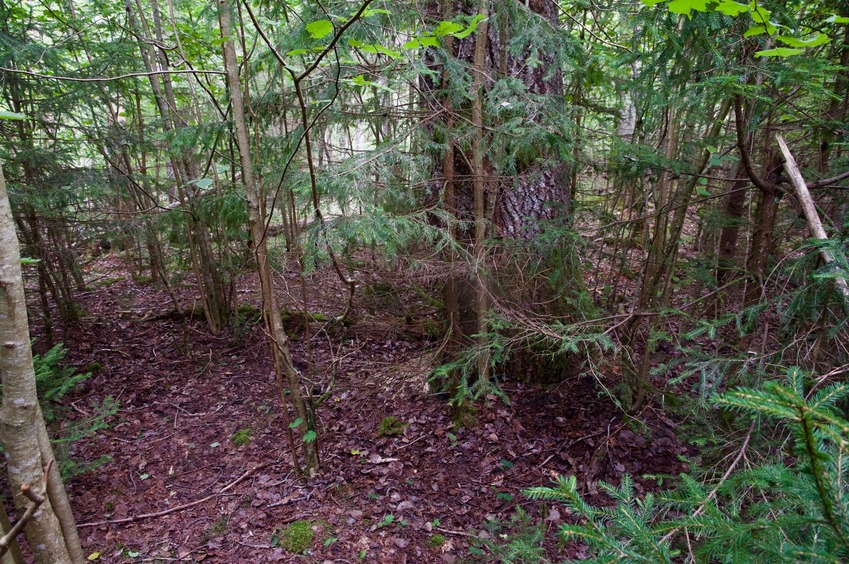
x: 793, y: 509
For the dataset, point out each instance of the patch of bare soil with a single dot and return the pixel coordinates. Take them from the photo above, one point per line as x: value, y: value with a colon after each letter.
x: 181, y: 487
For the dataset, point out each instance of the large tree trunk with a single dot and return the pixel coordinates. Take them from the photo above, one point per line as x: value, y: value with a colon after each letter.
x: 484, y: 200
x: 19, y: 415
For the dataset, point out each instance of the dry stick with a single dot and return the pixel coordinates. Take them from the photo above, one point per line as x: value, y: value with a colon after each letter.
x: 810, y: 211
x: 179, y: 507
x: 106, y: 78
x: 36, y: 500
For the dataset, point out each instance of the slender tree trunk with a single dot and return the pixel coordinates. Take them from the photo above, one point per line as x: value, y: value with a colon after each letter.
x: 726, y: 262
x: 57, y: 494
x: 654, y: 292
x: 19, y: 413
x: 479, y: 183
x: 274, y: 324
x: 452, y: 298
x: 13, y: 555
x: 207, y: 273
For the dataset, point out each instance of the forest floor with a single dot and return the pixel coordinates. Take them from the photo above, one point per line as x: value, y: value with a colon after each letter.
x: 180, y: 487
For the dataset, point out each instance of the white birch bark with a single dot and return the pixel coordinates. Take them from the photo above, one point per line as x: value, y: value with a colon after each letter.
x: 19, y: 412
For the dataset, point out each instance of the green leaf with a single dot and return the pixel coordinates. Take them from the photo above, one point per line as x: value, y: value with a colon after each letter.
x: 360, y: 80
x: 412, y: 44
x: 429, y: 41
x: 779, y: 52
x: 731, y: 8
x: 93, y: 556
x: 651, y: 3
x: 12, y: 115
x: 320, y: 28
x: 818, y: 39
x: 687, y: 6
x: 446, y: 27
x: 294, y: 52
x: 759, y: 29
x: 372, y: 12
x: 204, y: 183
x: 759, y: 13
x: 473, y: 25
x: 837, y: 20
x: 294, y: 424
x: 309, y: 436
x: 373, y: 48
x: 27, y: 261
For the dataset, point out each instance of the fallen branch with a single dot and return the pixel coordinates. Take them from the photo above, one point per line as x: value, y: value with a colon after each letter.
x: 452, y: 532
x: 36, y: 500
x: 177, y: 508
x: 810, y: 211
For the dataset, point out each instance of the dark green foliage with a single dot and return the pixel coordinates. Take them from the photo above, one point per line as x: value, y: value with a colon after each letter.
x: 524, y: 544
x: 793, y: 508
x: 79, y: 430
x: 54, y: 380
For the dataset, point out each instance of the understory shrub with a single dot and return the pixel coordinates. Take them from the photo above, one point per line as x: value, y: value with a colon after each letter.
x: 793, y: 508
x: 53, y: 382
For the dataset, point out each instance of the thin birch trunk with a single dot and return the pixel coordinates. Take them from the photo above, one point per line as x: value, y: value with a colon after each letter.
x: 19, y: 413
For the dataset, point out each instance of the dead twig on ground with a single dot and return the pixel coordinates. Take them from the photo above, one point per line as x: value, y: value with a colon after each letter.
x: 220, y: 492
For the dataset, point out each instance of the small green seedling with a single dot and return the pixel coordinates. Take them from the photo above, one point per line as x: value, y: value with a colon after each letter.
x: 387, y: 520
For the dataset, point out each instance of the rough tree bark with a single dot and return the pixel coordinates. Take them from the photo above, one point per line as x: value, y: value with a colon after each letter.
x: 480, y: 201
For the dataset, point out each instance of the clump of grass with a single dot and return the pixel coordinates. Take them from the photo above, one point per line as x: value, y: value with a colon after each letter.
x: 391, y: 427
x: 242, y: 437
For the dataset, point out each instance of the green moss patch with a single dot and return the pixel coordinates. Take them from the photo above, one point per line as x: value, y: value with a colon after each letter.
x: 391, y: 427
x: 297, y: 537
